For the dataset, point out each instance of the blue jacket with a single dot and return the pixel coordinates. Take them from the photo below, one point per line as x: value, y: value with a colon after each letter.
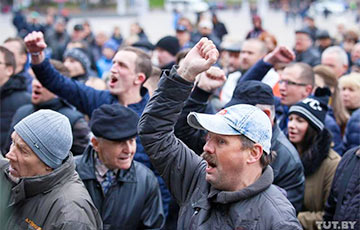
x: 87, y: 99
x: 352, y: 131
x: 258, y: 71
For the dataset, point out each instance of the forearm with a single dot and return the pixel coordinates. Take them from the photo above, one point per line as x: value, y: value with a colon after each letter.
x: 257, y: 71
x: 176, y: 163
x: 193, y: 138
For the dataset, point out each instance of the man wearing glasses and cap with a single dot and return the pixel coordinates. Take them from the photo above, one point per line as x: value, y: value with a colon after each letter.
x: 230, y: 186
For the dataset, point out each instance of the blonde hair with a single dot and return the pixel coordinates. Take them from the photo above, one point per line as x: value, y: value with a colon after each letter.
x: 352, y: 80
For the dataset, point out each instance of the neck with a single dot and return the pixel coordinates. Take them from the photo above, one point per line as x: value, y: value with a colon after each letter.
x: 3, y: 80
x: 129, y: 97
x: 248, y: 178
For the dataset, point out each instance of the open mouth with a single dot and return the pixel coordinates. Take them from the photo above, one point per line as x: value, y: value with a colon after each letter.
x: 210, y: 160
x: 113, y: 81
x: 36, y: 93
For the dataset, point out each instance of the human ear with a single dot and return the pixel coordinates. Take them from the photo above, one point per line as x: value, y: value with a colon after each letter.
x: 255, y: 153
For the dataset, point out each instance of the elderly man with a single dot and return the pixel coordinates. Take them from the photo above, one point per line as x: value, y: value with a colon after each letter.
x: 131, y: 67
x: 230, y: 186
x: 46, y: 192
x: 125, y: 192
x: 336, y: 58
x: 304, y: 50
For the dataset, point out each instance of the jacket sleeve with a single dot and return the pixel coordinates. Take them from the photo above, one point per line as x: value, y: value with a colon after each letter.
x: 256, y: 72
x: 334, y: 129
x: 177, y: 164
x: 193, y: 138
x: 83, y: 97
x: 308, y: 219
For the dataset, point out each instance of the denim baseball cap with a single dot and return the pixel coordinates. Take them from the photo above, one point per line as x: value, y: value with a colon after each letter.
x: 241, y: 119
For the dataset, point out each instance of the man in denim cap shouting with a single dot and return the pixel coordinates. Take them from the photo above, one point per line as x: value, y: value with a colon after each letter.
x: 230, y: 186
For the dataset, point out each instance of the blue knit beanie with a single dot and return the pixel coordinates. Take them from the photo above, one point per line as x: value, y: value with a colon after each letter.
x: 48, y: 134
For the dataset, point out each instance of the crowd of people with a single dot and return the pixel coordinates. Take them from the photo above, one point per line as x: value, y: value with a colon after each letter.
x: 196, y: 131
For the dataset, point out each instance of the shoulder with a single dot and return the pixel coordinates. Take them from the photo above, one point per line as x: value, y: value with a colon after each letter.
x: 277, y: 206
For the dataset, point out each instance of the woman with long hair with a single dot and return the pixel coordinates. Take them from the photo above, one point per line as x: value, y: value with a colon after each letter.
x: 313, y: 142
x: 325, y: 77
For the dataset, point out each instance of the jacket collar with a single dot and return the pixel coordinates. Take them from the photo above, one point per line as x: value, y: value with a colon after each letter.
x: 53, y: 104
x: 86, y: 168
x: 31, y: 186
x: 260, y: 185
x: 15, y: 83
x: 139, y: 106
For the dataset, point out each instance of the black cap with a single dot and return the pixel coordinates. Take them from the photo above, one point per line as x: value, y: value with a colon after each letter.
x: 313, y: 108
x: 144, y: 45
x: 114, y: 122
x: 321, y: 34
x: 303, y: 31
x: 252, y: 93
x: 170, y: 44
x: 78, y: 27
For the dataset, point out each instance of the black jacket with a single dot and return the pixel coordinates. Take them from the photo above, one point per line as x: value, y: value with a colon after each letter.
x: 310, y: 56
x: 349, y: 209
x: 134, y: 202
x: 12, y: 96
x: 79, y: 126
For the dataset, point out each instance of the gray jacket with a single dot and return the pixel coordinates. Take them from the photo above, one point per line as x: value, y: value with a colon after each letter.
x: 58, y: 200
x: 259, y: 206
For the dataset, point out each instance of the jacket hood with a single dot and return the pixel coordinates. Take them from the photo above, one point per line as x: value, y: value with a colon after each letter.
x: 15, y: 83
x: 312, y: 158
x: 31, y: 186
x: 261, y: 184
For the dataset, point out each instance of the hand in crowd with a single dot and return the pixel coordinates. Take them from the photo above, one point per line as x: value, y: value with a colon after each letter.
x: 199, y: 59
x: 280, y: 54
x: 212, y: 79
x: 35, y: 44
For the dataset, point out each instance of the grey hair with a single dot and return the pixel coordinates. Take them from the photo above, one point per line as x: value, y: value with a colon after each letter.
x: 269, y: 107
x: 340, y: 52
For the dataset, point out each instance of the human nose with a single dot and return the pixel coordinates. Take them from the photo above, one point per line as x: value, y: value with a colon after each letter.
x: 208, y: 147
x: 11, y: 154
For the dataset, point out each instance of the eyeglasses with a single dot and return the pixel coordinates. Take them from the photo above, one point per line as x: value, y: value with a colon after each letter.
x: 288, y: 82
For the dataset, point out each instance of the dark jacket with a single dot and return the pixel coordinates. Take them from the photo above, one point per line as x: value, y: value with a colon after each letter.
x: 310, y: 56
x: 12, y: 96
x: 349, y: 209
x: 134, y: 202
x: 352, y: 131
x: 258, y: 71
x: 79, y: 126
x: 258, y: 206
x: 86, y: 99
x: 57, y: 200
x: 287, y: 167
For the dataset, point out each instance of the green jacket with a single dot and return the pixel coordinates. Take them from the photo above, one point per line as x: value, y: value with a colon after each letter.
x: 57, y: 200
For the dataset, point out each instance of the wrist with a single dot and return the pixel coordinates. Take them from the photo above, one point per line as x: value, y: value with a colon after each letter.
x: 182, y: 71
x: 37, y: 57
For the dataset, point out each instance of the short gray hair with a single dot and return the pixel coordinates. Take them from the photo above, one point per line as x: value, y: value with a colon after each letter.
x: 340, y: 54
x: 269, y: 107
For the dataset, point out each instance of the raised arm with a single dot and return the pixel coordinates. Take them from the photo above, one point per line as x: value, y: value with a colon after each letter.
x: 175, y: 162
x: 207, y: 82
x: 84, y: 98
x: 280, y: 54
